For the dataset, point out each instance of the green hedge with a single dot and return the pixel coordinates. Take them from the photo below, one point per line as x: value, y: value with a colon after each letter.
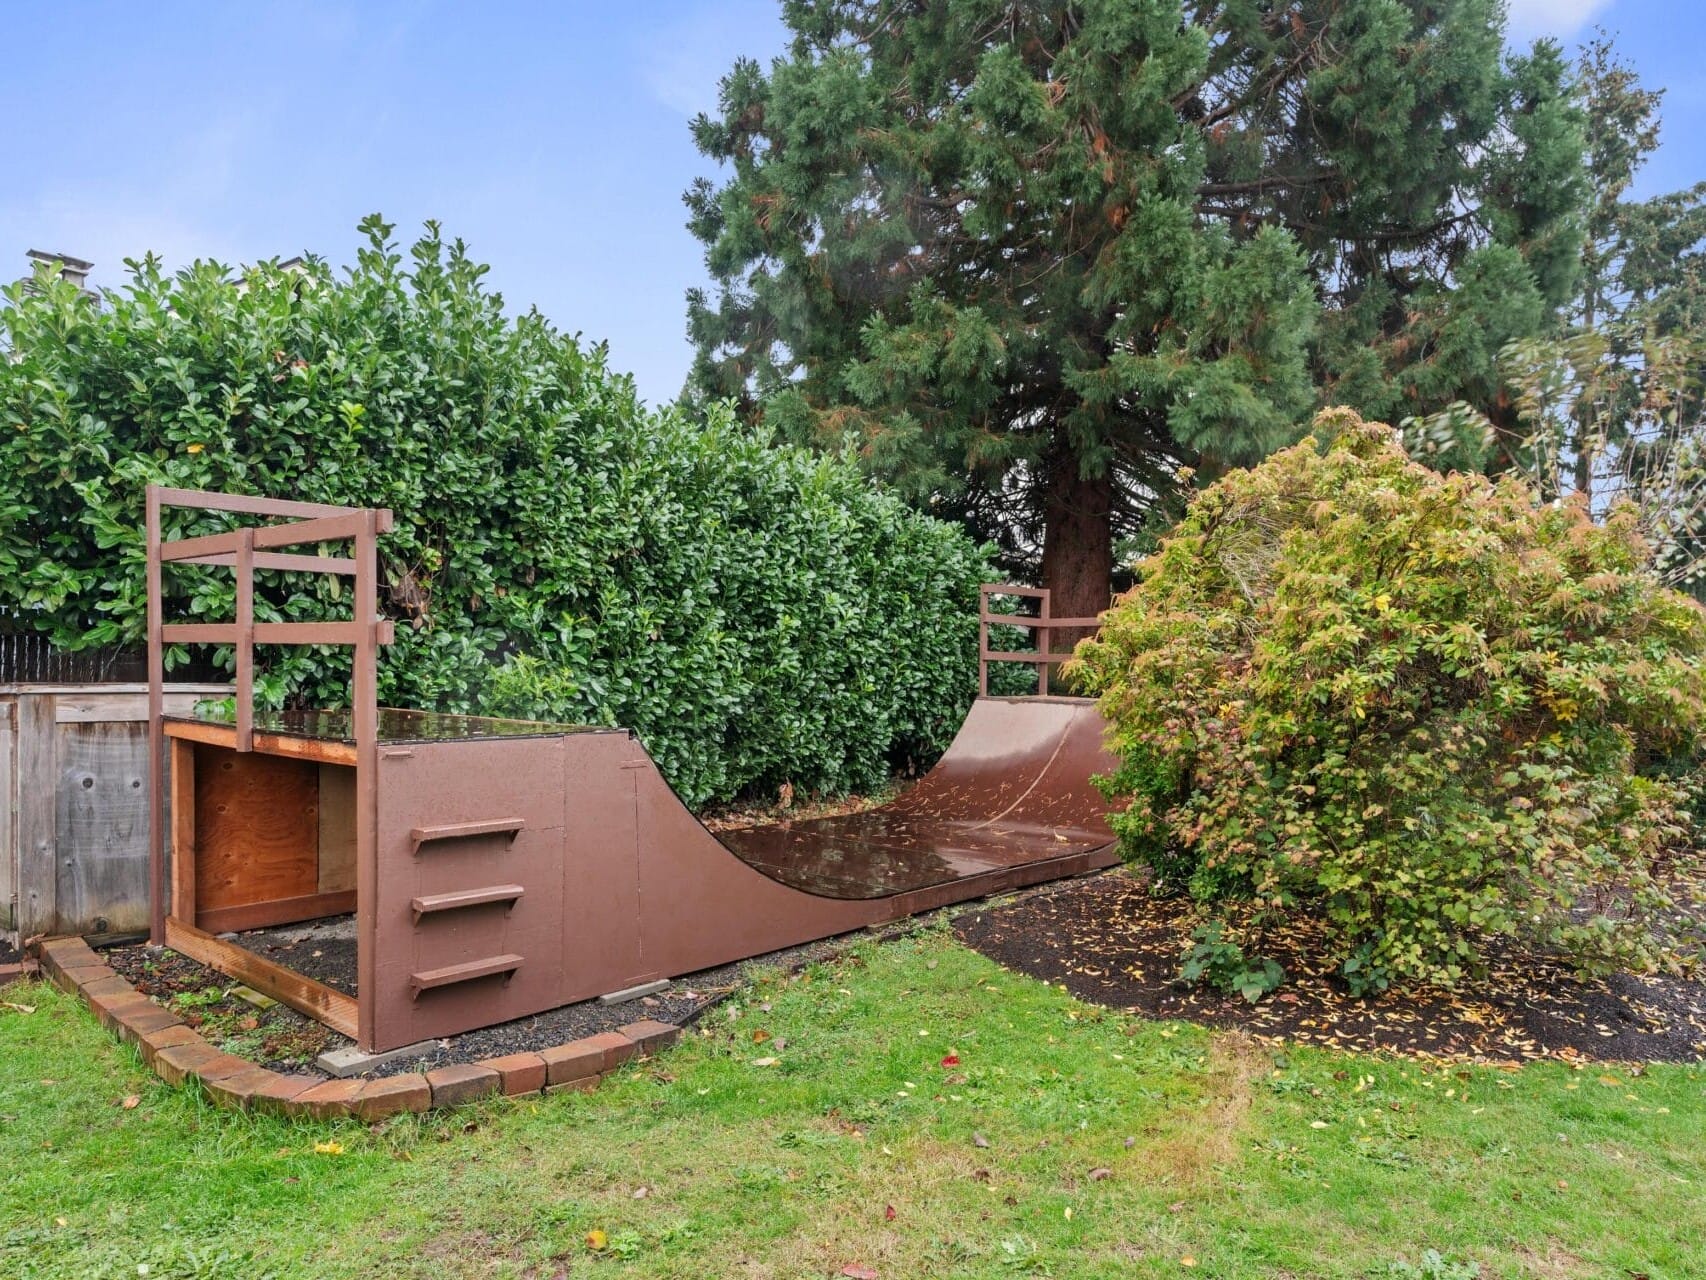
x: 759, y: 615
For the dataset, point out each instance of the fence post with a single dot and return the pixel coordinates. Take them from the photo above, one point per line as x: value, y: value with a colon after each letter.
x: 38, y: 815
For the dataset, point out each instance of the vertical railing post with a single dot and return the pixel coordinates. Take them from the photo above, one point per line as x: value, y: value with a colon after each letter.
x: 364, y: 709
x: 156, y: 733
x: 1043, y: 646
x: 246, y: 639
x: 983, y: 641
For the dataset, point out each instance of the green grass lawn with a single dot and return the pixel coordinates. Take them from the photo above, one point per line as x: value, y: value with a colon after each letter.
x: 1066, y: 1142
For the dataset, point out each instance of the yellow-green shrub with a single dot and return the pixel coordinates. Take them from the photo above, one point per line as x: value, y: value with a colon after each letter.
x: 1416, y: 705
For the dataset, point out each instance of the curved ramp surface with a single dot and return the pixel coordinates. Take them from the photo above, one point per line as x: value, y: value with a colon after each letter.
x: 516, y: 874
x: 1013, y: 789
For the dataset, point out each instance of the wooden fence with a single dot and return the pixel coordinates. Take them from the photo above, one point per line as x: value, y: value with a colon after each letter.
x: 74, y: 805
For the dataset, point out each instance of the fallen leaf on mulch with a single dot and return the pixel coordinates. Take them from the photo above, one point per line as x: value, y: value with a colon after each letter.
x: 1108, y: 939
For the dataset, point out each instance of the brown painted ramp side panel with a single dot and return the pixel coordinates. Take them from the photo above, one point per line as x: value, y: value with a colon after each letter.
x: 620, y: 884
x: 434, y: 784
x: 701, y: 906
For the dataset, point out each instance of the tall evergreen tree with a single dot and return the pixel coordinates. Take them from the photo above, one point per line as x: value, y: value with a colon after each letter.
x: 1038, y: 259
x: 1609, y: 406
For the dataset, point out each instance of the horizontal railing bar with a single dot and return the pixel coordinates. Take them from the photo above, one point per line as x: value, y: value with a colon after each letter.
x: 326, y: 529
x: 1024, y: 620
x: 1006, y: 589
x: 277, y: 560
x: 274, y: 632
x: 199, y: 632
x: 319, y: 632
x: 212, y: 544
x: 245, y: 504
x: 992, y: 655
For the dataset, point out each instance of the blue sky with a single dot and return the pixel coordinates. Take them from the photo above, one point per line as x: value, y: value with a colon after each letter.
x: 551, y: 136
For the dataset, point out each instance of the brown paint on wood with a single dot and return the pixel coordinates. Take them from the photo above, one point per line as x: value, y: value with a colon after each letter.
x: 271, y: 744
x: 257, y: 823
x: 316, y: 1000
x: 264, y: 915
x: 183, y: 830
x: 337, y: 829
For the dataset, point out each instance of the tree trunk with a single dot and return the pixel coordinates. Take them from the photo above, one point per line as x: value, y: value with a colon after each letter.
x: 1078, y: 545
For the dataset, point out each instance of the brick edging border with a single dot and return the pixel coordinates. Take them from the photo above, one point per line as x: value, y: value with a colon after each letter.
x: 175, y: 1053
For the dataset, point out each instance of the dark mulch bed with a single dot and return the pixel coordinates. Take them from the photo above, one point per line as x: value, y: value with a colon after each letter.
x: 1107, y: 939
x: 283, y: 1039
x: 8, y: 953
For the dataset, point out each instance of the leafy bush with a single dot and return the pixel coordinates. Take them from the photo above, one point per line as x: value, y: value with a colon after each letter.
x: 1416, y: 705
x: 759, y: 615
x: 1221, y: 963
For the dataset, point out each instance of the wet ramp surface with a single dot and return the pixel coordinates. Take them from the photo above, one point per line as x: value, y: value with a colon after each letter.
x: 1014, y: 788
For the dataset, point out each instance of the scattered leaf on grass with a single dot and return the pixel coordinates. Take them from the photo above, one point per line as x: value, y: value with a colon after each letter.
x: 760, y: 1036
x: 952, y: 1060
x: 1187, y: 1261
x: 1101, y: 1174
x: 21, y: 1008
x: 853, y: 1271
x: 331, y: 1148
x: 765, y: 1062
x: 888, y: 1213
x: 596, y: 1239
x: 978, y: 1140
x: 131, y: 1101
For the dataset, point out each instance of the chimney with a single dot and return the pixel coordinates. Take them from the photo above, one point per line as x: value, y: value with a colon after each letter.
x: 76, y: 270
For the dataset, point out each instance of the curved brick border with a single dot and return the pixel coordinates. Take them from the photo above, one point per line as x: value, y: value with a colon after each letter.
x: 176, y: 1053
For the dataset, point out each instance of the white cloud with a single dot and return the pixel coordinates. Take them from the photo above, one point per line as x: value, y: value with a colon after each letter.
x: 683, y: 62
x: 1561, y: 18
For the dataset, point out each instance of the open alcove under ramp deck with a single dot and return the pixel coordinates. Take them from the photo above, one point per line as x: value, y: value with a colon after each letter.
x: 522, y: 866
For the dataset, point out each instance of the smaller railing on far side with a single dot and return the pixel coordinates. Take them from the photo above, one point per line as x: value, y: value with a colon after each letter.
x: 1041, y: 623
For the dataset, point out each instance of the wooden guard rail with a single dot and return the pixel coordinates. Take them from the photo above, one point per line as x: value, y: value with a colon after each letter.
x: 1042, y: 623
x: 246, y: 550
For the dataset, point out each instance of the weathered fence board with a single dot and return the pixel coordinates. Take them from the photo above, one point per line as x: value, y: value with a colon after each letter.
x: 74, y: 805
x: 101, y: 832
x: 8, y: 808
